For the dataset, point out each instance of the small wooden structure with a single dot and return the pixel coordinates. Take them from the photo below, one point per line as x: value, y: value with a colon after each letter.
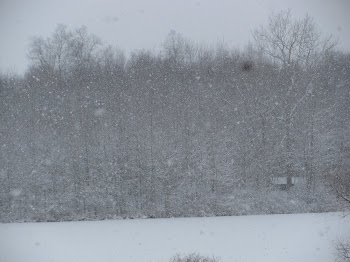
x: 281, y: 182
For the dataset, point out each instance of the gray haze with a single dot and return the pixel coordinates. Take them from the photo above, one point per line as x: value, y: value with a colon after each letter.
x: 137, y: 24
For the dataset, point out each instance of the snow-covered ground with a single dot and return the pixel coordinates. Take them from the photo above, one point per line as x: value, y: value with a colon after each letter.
x: 280, y: 238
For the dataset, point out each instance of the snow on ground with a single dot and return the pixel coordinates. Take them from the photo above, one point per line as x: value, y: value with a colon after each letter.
x: 279, y: 238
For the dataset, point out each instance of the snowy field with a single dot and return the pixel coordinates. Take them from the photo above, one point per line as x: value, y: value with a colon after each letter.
x: 279, y: 238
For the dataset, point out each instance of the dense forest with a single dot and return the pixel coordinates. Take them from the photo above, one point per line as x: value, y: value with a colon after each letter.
x: 89, y: 132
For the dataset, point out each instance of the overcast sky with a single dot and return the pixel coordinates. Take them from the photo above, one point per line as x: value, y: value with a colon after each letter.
x: 137, y: 24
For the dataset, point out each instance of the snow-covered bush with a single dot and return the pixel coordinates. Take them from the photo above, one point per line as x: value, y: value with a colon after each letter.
x: 193, y: 258
x: 342, y: 248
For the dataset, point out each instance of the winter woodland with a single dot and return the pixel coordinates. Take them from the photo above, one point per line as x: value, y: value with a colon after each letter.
x: 89, y: 132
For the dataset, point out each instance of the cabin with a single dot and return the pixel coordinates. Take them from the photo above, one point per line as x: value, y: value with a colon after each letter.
x: 281, y: 182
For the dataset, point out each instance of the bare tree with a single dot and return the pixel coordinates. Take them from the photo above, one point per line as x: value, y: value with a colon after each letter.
x: 340, y: 184
x: 51, y: 54
x: 342, y: 249
x: 64, y: 51
x: 180, y: 50
x: 83, y: 48
x: 292, y: 41
x: 339, y: 179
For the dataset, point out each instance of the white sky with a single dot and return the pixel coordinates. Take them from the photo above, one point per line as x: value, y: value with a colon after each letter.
x: 137, y: 24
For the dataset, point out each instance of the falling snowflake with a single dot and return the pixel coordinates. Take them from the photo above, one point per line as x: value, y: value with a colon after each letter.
x: 99, y: 112
x: 16, y: 192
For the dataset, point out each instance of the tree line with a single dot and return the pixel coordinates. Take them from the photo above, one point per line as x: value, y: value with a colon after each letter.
x: 92, y: 133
